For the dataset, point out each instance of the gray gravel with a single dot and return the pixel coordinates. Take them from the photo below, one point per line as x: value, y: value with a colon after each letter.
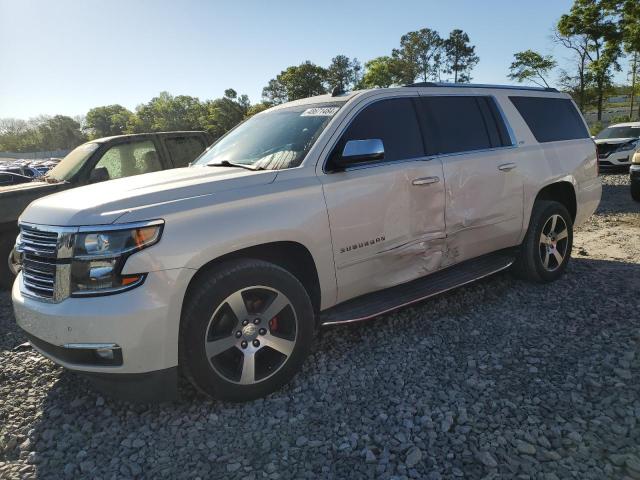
x: 500, y: 379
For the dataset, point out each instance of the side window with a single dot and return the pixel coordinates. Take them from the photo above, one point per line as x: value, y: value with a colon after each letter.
x: 551, y: 119
x: 455, y: 124
x: 127, y: 159
x: 394, y: 122
x: 184, y: 150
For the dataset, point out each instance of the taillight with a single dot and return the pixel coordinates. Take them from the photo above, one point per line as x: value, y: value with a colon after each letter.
x: 597, y: 160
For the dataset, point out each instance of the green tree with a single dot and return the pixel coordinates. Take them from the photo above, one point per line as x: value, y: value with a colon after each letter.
x: 257, y: 108
x: 60, y: 133
x: 295, y: 82
x: 108, y: 120
x: 460, y: 56
x: 419, y: 56
x: 343, y: 72
x: 593, y: 20
x: 166, y: 112
x: 378, y: 72
x: 530, y: 66
x: 222, y: 114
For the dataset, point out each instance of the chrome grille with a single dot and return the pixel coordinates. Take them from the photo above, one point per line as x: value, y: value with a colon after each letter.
x: 39, y: 251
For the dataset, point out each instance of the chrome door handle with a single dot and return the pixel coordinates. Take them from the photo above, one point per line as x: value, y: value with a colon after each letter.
x: 425, y: 180
x: 507, y: 167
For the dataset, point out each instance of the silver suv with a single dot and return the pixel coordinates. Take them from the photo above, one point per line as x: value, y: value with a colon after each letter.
x: 327, y: 210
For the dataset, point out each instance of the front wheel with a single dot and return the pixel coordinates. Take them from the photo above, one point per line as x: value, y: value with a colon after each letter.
x: 546, y: 249
x: 246, y: 328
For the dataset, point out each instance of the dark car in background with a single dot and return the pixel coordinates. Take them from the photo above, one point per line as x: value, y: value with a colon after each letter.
x: 95, y: 161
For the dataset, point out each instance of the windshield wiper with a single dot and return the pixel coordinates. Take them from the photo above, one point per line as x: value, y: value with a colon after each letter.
x: 227, y: 163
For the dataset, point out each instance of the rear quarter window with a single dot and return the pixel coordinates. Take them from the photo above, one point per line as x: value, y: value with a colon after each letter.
x: 551, y: 119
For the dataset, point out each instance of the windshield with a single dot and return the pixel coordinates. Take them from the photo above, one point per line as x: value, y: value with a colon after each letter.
x: 73, y: 162
x: 272, y: 140
x: 619, y: 132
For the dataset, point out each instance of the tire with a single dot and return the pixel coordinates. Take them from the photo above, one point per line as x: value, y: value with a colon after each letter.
x: 7, y: 242
x: 554, y: 249
x: 635, y: 191
x: 210, y: 323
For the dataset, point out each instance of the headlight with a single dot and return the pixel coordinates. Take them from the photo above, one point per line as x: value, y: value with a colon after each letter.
x: 628, y: 146
x: 98, y: 258
x: 636, y: 158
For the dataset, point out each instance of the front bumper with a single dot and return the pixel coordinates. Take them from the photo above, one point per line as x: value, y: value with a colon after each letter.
x: 143, y: 323
x: 617, y: 159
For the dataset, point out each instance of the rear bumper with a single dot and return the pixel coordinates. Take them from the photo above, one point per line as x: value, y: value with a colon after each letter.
x: 588, y: 195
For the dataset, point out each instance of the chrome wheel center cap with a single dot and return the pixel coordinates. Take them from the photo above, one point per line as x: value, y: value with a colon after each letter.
x: 250, y: 331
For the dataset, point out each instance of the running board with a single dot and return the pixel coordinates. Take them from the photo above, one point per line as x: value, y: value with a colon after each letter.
x: 377, y: 303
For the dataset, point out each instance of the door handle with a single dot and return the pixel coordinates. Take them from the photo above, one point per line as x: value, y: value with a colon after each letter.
x: 425, y: 180
x: 507, y: 167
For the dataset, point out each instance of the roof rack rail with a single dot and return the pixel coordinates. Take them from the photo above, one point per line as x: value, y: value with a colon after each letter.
x: 479, y: 85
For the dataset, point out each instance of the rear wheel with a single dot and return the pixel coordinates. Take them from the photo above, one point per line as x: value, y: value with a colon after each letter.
x: 246, y: 329
x: 7, y: 242
x: 635, y: 191
x: 546, y: 249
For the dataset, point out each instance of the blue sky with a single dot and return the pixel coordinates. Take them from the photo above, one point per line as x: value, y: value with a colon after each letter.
x: 67, y: 56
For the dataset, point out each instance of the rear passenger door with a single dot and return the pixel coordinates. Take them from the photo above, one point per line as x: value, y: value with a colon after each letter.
x: 484, y: 189
x: 386, y: 217
x: 184, y: 149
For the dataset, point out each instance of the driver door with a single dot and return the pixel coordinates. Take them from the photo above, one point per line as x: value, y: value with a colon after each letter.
x: 387, y: 216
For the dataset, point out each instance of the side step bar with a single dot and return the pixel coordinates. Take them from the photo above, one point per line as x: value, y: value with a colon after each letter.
x: 373, y: 304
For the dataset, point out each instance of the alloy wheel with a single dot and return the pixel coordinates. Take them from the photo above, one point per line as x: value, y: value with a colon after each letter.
x: 554, y: 241
x: 251, y: 335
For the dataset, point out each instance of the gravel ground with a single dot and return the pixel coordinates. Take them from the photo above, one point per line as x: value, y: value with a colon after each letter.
x: 500, y: 379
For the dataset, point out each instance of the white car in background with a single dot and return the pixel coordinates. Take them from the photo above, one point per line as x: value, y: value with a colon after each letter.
x: 617, y: 144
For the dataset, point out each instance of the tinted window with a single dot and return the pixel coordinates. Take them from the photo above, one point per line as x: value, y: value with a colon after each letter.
x: 184, y: 150
x: 394, y: 122
x: 551, y: 119
x: 457, y: 124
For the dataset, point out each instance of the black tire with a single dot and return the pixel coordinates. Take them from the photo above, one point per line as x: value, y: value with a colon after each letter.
x: 529, y: 264
x: 635, y: 191
x: 7, y: 242
x: 210, y: 296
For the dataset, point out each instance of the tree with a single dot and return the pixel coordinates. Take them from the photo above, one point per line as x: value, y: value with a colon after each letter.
x: 257, y: 108
x: 108, y: 120
x: 343, y: 72
x: 531, y: 66
x: 60, y: 133
x: 460, y: 57
x: 576, y: 83
x: 166, y: 112
x: 419, y: 56
x: 593, y: 20
x: 378, y: 73
x: 295, y: 82
x: 222, y: 114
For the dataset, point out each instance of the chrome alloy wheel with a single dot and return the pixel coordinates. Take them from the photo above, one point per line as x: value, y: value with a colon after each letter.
x: 554, y: 241
x: 251, y: 335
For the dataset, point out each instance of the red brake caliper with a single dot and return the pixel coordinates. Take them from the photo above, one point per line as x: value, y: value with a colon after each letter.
x: 273, y: 324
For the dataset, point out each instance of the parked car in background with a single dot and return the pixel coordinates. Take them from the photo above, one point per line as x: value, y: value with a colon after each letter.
x: 634, y: 174
x: 95, y: 161
x: 321, y: 211
x: 617, y: 144
x: 12, y: 177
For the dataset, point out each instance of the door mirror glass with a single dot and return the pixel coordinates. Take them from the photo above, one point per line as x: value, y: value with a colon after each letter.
x: 356, y: 151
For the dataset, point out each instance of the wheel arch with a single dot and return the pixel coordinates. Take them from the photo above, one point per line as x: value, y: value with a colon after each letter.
x: 563, y: 192
x: 289, y: 255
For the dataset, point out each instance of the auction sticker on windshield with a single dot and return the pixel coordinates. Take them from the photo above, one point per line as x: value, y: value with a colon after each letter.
x: 319, y: 112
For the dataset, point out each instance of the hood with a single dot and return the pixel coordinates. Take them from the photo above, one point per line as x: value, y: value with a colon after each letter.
x: 614, y: 141
x: 23, y: 186
x: 103, y: 203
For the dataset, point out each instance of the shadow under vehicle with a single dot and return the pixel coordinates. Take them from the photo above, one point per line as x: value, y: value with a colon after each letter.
x: 92, y: 162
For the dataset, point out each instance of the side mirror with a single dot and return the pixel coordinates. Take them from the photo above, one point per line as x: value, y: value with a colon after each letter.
x: 358, y: 151
x: 99, y: 174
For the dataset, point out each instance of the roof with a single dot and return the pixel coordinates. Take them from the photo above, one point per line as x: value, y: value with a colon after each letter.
x: 139, y: 135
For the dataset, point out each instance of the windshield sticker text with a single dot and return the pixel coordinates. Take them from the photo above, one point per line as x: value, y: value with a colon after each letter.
x: 319, y: 112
